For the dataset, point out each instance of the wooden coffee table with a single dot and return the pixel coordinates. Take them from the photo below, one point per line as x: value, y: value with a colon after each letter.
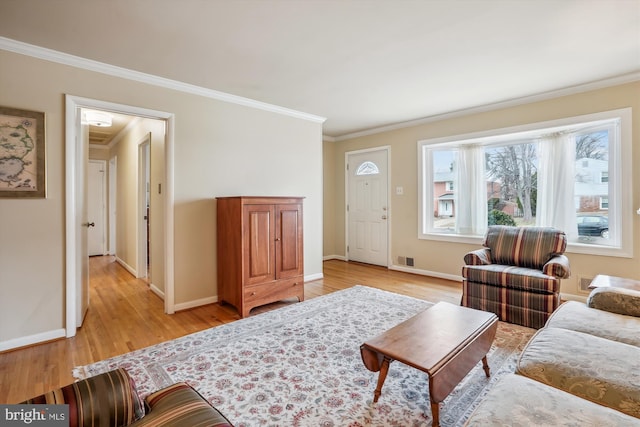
x: 446, y: 341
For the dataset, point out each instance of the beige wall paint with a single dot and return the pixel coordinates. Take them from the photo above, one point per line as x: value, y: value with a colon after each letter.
x: 329, y: 182
x: 220, y: 149
x: 445, y: 258
x: 127, y: 196
x: 98, y: 153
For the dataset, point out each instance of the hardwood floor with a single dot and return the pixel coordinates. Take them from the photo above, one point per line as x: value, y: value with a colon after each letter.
x: 124, y: 315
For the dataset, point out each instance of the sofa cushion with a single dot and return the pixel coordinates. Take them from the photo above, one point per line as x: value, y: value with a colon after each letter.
x: 597, y: 369
x: 108, y: 399
x: 180, y: 405
x: 511, y: 277
x: 577, y: 316
x: 519, y: 401
x: 507, y: 245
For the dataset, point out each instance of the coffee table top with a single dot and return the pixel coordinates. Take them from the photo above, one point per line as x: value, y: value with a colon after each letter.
x: 429, y: 339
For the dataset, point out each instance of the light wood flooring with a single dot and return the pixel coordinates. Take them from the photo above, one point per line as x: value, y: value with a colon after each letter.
x: 124, y: 315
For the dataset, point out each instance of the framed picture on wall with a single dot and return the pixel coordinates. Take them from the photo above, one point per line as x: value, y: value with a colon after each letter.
x: 22, y: 154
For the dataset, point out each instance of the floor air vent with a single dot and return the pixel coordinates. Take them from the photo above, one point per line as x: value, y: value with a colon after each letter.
x: 583, y: 284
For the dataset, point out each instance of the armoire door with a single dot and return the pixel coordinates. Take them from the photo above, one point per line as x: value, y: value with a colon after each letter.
x: 289, y: 243
x: 259, y: 245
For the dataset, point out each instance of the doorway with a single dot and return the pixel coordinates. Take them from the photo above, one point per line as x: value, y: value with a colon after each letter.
x: 368, y: 206
x: 76, y: 166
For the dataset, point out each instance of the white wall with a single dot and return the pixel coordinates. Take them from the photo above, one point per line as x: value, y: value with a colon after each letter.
x: 220, y: 149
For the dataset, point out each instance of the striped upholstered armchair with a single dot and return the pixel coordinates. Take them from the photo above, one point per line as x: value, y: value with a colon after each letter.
x: 110, y: 399
x: 517, y: 274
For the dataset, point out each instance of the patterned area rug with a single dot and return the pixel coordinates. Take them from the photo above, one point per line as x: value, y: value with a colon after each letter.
x: 300, y: 366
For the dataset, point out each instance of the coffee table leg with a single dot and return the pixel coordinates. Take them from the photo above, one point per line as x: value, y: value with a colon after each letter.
x: 485, y: 365
x: 381, y: 377
x: 435, y: 413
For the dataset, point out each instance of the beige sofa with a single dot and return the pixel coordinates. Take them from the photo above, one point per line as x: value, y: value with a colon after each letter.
x: 582, y: 368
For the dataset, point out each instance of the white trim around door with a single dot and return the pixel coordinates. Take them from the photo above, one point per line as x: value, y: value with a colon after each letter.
x: 73, y: 217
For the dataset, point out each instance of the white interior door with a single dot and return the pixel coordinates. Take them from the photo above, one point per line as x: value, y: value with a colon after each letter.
x: 96, y: 206
x: 144, y: 206
x: 368, y: 207
x: 82, y: 293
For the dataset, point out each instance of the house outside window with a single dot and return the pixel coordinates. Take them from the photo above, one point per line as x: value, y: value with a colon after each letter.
x: 549, y: 174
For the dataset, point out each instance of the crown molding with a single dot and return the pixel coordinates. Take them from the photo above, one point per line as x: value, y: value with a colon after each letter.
x: 112, y: 70
x: 572, y: 90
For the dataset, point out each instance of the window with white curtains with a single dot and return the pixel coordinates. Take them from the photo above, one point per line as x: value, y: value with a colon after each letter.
x: 572, y: 174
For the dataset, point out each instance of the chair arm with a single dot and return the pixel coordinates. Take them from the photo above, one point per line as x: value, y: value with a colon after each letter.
x: 180, y: 405
x: 558, y: 266
x: 105, y: 399
x: 615, y: 300
x: 478, y: 257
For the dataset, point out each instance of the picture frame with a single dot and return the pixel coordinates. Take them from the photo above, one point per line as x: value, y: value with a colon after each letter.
x: 22, y: 154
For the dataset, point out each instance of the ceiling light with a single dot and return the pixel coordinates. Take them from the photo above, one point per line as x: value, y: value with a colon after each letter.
x: 98, y: 118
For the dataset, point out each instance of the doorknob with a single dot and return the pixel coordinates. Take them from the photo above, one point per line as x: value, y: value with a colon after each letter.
x: 89, y: 224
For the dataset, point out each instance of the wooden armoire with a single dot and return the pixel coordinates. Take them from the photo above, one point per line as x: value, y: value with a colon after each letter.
x: 260, y: 250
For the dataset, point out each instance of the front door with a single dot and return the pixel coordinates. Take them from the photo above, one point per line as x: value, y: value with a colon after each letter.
x: 367, y: 206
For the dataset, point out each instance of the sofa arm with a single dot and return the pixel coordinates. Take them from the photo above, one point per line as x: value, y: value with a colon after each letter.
x: 557, y: 266
x: 180, y: 405
x: 615, y: 300
x: 105, y: 399
x: 478, y: 257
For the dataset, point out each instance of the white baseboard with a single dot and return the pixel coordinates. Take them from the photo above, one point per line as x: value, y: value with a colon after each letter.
x: 214, y: 299
x: 157, y: 291
x: 196, y: 303
x: 311, y: 277
x: 127, y: 266
x: 429, y: 273
x: 32, y: 339
x: 338, y: 257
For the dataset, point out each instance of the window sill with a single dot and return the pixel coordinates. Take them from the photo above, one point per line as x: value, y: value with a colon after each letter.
x: 572, y: 248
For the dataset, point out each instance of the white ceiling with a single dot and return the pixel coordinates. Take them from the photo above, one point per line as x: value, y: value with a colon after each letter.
x: 362, y: 64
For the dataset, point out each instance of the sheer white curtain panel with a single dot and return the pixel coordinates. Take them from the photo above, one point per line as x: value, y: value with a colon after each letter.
x: 471, y: 207
x: 556, y: 183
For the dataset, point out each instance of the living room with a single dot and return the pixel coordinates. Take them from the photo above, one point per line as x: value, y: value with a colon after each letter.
x: 292, y: 153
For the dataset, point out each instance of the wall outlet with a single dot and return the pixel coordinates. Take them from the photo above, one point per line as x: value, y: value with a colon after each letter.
x: 409, y: 262
x: 402, y: 260
x: 400, y: 191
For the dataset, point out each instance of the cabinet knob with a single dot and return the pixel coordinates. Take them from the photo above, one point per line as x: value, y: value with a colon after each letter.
x: 253, y: 293
x: 277, y: 239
